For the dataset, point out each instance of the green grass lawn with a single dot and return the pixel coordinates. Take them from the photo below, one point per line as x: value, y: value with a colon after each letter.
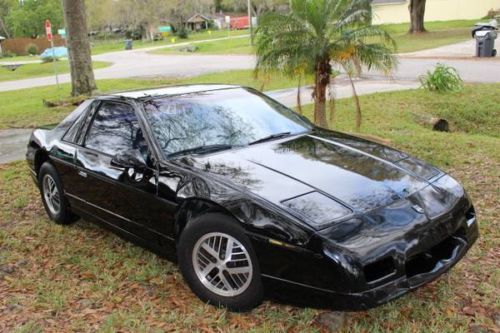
x: 99, y: 47
x: 230, y: 46
x: 440, y: 33
x: 28, y: 71
x: 82, y: 277
x: 19, y: 58
x: 18, y: 111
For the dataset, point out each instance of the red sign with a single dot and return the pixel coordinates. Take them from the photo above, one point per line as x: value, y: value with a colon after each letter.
x: 239, y: 22
x: 48, y: 30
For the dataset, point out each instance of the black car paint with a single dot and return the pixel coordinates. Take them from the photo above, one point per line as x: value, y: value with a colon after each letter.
x: 389, y: 194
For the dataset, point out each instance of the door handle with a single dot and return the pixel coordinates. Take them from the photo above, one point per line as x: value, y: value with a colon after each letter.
x: 82, y: 173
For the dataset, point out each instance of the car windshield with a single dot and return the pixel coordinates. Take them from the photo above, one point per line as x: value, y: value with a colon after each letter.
x: 219, y: 118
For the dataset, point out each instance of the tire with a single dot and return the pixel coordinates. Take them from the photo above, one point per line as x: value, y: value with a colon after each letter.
x: 49, y: 178
x: 241, y: 289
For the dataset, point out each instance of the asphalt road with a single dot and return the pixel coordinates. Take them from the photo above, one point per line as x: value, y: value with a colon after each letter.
x: 140, y: 63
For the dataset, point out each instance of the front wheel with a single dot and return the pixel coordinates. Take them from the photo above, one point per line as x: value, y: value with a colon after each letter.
x: 218, y: 263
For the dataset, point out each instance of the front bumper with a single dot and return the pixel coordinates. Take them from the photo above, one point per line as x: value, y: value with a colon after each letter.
x: 421, y: 269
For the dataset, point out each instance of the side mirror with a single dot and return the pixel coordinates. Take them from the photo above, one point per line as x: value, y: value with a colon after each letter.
x: 129, y: 159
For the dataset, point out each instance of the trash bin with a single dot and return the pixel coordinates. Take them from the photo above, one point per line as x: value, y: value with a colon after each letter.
x: 485, y: 35
x: 128, y: 44
x: 485, y: 43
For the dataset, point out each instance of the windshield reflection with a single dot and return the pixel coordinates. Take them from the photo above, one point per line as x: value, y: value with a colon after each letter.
x: 232, y: 117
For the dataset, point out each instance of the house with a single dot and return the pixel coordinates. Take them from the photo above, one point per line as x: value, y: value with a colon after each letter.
x: 198, y: 22
x: 396, y: 11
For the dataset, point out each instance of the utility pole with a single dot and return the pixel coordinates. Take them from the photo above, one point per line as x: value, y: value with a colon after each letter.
x: 249, y: 4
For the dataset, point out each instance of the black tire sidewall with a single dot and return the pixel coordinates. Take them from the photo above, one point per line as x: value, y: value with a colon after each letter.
x: 217, y: 222
x: 64, y: 216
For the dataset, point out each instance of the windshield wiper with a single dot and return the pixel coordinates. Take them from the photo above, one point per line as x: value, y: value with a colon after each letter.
x: 270, y: 137
x: 201, y: 150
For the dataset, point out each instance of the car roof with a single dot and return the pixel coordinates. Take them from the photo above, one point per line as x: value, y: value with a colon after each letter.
x: 172, y: 90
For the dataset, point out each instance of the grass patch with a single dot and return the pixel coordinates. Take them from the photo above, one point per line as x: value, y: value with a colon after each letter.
x: 99, y: 47
x: 439, y: 33
x: 230, y: 46
x: 18, y: 58
x: 28, y: 71
x: 82, y: 277
x: 25, y: 108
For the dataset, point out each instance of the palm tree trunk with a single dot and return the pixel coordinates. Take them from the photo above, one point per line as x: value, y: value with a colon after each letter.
x: 322, y: 80
x: 358, y: 105
x: 82, y: 76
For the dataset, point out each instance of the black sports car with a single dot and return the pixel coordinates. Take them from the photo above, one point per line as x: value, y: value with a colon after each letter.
x: 249, y: 196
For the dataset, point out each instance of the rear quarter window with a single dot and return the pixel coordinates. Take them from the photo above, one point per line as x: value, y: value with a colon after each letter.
x: 70, y: 126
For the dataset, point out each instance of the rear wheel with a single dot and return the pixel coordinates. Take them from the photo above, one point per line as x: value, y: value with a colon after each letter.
x: 54, y: 201
x: 218, y: 263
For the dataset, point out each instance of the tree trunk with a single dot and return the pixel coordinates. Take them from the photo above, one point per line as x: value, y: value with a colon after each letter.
x: 4, y: 28
x: 331, y: 102
x: 417, y: 13
x: 437, y: 124
x: 322, y: 80
x: 82, y: 76
x: 358, y: 104
x: 299, y: 101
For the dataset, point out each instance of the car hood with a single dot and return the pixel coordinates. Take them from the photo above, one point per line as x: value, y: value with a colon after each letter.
x: 356, y: 173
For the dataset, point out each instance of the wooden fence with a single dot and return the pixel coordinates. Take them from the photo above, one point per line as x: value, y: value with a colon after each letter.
x: 20, y: 46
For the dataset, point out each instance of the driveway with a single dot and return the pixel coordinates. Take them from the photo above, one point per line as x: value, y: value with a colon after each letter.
x: 13, y: 144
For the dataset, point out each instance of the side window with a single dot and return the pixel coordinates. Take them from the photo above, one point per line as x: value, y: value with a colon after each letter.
x: 75, y: 121
x: 115, y: 128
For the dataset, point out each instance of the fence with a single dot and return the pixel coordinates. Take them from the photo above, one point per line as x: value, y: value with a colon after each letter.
x: 20, y: 46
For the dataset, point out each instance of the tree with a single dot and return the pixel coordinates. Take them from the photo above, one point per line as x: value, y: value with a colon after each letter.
x: 258, y: 6
x: 5, y: 7
x: 27, y: 18
x: 319, y: 33
x: 417, y: 13
x: 100, y: 14
x: 82, y: 76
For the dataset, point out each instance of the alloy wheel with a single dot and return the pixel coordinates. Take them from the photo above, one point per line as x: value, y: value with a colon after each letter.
x: 51, y: 195
x: 222, y: 264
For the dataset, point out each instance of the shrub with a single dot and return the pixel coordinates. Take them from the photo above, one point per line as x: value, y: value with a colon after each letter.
x: 492, y: 13
x: 7, y: 54
x: 182, y: 33
x: 32, y: 49
x: 49, y: 59
x: 442, y: 79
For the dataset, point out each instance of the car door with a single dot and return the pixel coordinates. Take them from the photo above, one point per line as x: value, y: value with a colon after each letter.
x: 63, y: 152
x: 123, y: 197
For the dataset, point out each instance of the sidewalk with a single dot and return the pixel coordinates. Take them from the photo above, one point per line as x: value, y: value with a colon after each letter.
x: 465, y: 50
x: 343, y: 89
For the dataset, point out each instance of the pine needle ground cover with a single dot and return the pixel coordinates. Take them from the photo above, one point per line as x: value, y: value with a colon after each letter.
x: 84, y: 278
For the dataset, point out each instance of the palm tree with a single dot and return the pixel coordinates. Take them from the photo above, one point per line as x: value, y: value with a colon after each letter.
x: 317, y: 34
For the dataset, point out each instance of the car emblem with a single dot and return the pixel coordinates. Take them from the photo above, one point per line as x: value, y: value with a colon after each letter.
x: 418, y: 209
